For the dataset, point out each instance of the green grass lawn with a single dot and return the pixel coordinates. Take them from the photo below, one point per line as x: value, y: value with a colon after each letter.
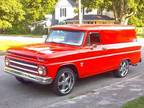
x: 6, y: 44
x: 24, y: 35
x: 137, y: 103
x: 140, y: 36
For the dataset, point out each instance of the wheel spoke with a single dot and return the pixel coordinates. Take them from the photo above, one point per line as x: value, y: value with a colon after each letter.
x: 124, y: 68
x: 63, y: 76
x: 61, y: 83
x: 67, y: 78
x: 123, y: 73
x: 70, y: 84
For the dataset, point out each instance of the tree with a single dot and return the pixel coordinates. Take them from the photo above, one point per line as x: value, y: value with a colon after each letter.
x: 97, y: 4
x: 123, y: 9
x: 36, y: 9
x: 11, y: 12
x: 92, y: 4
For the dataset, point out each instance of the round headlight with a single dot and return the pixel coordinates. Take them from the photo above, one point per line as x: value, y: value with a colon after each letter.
x: 42, y: 70
x: 7, y: 62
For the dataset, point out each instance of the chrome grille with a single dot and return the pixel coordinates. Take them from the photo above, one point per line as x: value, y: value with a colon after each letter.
x: 23, y: 66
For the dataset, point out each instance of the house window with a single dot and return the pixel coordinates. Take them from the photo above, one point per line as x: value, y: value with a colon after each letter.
x: 62, y: 12
x: 99, y: 12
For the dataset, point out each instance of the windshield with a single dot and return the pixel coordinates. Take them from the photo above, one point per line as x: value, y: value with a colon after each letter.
x: 66, y: 37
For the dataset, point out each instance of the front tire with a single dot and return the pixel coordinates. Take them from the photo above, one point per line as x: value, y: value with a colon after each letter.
x: 64, y: 82
x: 123, y: 69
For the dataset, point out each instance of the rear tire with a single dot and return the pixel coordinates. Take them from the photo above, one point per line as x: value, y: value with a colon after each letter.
x: 122, y: 70
x: 23, y: 81
x: 64, y: 81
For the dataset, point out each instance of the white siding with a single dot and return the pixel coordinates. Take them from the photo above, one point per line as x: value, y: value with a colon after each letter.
x: 108, y: 13
x: 95, y: 12
x: 69, y: 10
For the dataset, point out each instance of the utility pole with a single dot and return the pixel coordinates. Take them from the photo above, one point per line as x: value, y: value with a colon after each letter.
x: 80, y: 12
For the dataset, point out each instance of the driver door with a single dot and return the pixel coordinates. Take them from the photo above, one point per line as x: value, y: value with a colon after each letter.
x: 95, y: 61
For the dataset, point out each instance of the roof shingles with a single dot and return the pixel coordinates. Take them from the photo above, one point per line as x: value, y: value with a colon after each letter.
x: 92, y: 17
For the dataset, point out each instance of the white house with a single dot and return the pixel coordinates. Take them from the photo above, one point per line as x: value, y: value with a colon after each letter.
x: 64, y: 9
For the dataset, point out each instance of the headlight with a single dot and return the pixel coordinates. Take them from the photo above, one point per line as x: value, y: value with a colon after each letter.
x: 7, y: 62
x: 42, y: 70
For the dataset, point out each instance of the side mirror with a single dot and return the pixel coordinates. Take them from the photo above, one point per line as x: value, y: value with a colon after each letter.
x: 93, y: 46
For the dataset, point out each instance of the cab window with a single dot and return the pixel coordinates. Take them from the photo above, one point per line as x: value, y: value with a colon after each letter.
x: 93, y: 38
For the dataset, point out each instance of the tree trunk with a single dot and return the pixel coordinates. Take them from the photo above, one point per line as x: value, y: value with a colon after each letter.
x: 114, y: 11
x: 124, y: 20
x: 122, y: 11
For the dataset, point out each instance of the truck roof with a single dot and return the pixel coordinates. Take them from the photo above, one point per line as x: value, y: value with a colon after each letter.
x: 85, y: 27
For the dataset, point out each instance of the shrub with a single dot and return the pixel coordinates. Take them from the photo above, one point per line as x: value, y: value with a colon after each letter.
x: 136, y: 21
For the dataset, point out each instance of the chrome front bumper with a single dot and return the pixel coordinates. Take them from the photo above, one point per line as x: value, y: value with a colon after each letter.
x: 28, y: 76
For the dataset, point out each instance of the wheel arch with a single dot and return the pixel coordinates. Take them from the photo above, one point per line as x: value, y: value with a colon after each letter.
x: 71, y: 66
x: 129, y: 60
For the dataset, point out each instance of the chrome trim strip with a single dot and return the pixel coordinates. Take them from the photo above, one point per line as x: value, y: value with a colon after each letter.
x: 95, y: 57
x: 28, y: 76
x: 13, y: 66
x: 23, y: 64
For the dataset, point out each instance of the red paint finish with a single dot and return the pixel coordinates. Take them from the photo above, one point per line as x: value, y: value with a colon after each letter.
x: 117, y: 43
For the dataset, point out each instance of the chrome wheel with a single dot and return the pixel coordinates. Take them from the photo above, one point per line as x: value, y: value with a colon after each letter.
x: 64, y: 81
x: 124, y: 68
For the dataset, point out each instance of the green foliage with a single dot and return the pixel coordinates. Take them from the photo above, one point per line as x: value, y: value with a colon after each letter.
x: 11, y: 12
x: 136, y: 21
x: 36, y: 9
x: 92, y: 4
x: 18, y: 29
x: 17, y: 15
x: 39, y: 30
x: 122, y: 9
x: 140, y: 31
x: 137, y: 103
x: 5, y: 24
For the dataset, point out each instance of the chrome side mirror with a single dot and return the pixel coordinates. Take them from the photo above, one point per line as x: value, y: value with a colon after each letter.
x: 93, y: 46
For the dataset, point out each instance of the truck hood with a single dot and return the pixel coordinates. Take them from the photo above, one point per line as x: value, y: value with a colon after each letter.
x: 44, y: 50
